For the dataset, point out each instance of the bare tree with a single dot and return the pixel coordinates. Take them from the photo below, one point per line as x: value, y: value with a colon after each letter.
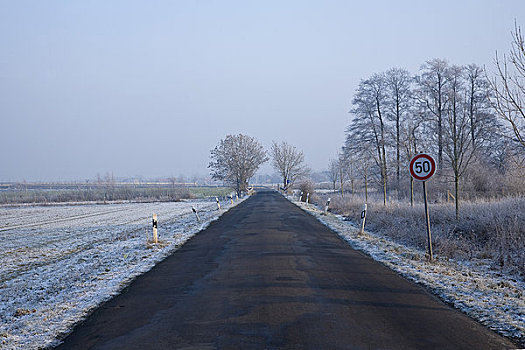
x: 342, y: 172
x: 431, y: 92
x: 350, y: 161
x: 370, y: 120
x: 458, y: 148
x: 484, y: 125
x: 289, y: 162
x: 411, y: 141
x: 236, y: 159
x: 361, y: 141
x: 398, y: 82
x: 508, y: 98
x: 333, y: 172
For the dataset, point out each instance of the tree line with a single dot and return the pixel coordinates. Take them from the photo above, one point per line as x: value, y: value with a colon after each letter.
x: 237, y: 158
x: 472, y: 123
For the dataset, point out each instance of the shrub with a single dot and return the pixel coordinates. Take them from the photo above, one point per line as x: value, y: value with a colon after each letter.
x: 486, y: 229
x: 307, y: 187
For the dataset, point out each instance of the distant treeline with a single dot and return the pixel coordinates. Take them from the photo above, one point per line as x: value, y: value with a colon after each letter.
x: 48, y: 193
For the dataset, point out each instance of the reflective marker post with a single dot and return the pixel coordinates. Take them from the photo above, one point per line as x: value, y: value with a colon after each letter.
x: 327, y: 205
x: 218, y: 203
x: 155, y: 236
x: 196, y: 214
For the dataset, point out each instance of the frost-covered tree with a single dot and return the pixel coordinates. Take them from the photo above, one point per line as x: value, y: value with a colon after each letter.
x: 333, y: 172
x: 431, y: 92
x: 399, y: 95
x: 508, y: 98
x: 289, y: 163
x: 370, y: 123
x: 458, y: 148
x: 236, y: 159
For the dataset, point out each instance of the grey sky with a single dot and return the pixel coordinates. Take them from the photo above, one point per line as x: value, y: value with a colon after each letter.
x: 149, y: 87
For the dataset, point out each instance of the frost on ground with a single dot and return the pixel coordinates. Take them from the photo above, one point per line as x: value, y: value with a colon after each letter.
x: 493, y: 299
x: 58, y: 263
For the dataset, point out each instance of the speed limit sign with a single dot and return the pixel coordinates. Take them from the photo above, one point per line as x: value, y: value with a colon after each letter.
x: 422, y: 167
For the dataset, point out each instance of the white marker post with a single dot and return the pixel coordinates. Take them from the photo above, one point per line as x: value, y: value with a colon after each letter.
x: 363, y: 219
x: 155, y: 236
x: 301, y: 196
x: 196, y: 214
x: 308, y: 198
x: 422, y: 167
x: 218, y: 203
x: 327, y: 205
x: 231, y: 199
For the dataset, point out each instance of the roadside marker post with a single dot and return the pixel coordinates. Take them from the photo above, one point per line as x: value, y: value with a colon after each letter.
x: 231, y: 199
x: 196, y: 214
x: 301, y: 196
x: 218, y: 203
x: 327, y: 205
x: 363, y: 218
x: 308, y: 198
x: 422, y: 167
x: 155, y: 223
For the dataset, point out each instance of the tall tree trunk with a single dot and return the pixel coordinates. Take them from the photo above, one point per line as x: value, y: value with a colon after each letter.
x: 383, y: 152
x: 342, y: 184
x: 440, y: 142
x: 366, y: 185
x: 471, y: 111
x: 398, y: 156
x: 455, y: 163
x: 456, y: 188
x: 384, y: 193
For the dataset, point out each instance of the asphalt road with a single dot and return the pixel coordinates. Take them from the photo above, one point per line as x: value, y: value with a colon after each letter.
x: 269, y: 276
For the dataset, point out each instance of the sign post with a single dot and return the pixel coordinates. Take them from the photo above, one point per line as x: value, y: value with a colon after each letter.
x: 422, y: 167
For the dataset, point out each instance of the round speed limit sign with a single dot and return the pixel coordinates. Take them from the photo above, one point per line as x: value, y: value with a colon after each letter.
x: 422, y: 167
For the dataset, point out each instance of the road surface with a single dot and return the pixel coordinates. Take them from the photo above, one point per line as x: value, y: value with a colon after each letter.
x: 269, y: 276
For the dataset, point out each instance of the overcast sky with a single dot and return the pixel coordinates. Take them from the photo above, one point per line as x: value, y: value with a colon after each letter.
x: 148, y: 88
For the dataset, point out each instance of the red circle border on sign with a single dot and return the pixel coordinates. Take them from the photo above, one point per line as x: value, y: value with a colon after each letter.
x: 432, y: 162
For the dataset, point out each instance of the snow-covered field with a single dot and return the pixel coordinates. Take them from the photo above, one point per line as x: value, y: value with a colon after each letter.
x: 57, y: 263
x: 494, y: 299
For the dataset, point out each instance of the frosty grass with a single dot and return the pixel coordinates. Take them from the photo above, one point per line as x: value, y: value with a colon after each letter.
x: 58, y: 263
x: 493, y: 299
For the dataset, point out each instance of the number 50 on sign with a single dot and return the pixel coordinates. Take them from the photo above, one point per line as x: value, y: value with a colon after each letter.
x: 422, y: 167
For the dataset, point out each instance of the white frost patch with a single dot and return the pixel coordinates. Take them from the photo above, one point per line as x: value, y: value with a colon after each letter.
x: 486, y: 295
x: 58, y: 263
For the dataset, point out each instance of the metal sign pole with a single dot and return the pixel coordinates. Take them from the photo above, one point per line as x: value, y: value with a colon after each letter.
x: 429, y: 236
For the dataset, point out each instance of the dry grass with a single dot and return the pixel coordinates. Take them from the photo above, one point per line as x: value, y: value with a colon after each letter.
x: 487, y: 229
